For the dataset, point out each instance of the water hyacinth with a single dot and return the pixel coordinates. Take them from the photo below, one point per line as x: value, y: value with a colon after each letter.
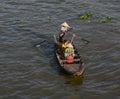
x: 89, y: 14
x: 49, y: 17
x: 109, y: 18
x: 105, y: 20
x: 21, y: 21
x: 85, y: 15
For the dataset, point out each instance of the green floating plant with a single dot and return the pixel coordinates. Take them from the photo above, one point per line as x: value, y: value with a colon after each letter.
x: 21, y: 21
x: 105, y: 20
x: 89, y: 14
x: 49, y: 17
x: 85, y: 16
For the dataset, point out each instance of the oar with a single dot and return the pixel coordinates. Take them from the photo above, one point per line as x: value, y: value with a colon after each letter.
x: 72, y: 38
x: 39, y: 44
x: 86, y: 41
x: 74, y: 35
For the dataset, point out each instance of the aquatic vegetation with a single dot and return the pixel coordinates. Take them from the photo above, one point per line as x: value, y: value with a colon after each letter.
x: 105, y: 20
x: 49, y: 17
x: 21, y: 21
x: 85, y: 15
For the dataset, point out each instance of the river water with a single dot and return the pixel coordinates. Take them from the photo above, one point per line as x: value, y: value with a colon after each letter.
x: 32, y: 72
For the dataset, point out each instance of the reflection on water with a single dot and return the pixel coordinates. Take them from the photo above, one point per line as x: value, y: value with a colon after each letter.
x: 74, y: 80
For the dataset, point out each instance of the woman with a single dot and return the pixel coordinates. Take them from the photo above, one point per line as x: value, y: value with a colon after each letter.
x: 69, y: 49
x: 64, y: 30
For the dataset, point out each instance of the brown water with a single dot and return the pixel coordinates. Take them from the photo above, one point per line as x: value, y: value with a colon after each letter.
x: 29, y: 72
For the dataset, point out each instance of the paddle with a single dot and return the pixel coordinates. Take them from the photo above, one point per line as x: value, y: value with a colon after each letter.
x: 83, y: 39
x: 39, y: 44
x: 72, y: 37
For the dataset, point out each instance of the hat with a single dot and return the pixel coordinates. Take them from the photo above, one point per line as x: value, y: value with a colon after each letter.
x: 65, y: 24
x: 69, y: 45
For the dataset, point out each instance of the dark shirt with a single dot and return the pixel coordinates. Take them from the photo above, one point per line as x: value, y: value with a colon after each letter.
x: 61, y: 36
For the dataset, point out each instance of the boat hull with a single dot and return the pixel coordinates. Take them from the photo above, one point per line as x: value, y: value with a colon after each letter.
x: 75, y: 68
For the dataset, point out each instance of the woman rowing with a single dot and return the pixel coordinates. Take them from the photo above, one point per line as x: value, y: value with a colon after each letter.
x: 64, y: 30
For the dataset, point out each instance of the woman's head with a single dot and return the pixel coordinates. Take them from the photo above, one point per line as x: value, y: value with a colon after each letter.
x: 64, y: 26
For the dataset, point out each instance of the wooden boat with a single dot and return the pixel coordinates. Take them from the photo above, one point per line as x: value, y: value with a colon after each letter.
x: 77, y: 67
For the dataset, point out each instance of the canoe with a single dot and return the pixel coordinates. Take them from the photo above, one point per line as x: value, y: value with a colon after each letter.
x: 77, y: 67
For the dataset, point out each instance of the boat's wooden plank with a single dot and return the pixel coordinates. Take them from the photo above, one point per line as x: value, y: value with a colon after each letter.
x: 75, y: 60
x: 58, y: 57
x: 56, y: 40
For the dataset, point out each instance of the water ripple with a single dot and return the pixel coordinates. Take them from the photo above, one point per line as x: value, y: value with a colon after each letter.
x: 32, y: 72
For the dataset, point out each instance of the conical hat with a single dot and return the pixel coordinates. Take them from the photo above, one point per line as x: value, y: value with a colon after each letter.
x: 65, y: 24
x: 70, y: 45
